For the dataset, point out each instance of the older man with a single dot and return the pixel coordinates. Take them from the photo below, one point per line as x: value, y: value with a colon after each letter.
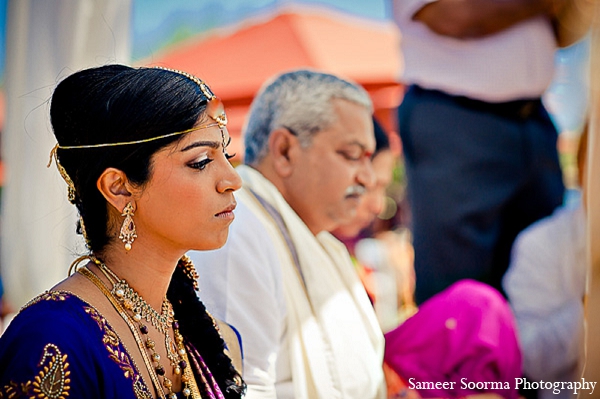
x: 289, y: 287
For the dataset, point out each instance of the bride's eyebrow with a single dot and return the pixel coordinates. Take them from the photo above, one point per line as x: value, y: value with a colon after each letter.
x: 211, y: 144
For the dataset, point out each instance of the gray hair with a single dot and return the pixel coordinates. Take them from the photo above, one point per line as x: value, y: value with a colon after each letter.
x: 300, y: 101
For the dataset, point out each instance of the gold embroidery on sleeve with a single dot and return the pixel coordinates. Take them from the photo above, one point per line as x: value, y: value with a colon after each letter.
x: 46, y: 296
x: 52, y: 382
x: 111, y: 343
x: 16, y: 390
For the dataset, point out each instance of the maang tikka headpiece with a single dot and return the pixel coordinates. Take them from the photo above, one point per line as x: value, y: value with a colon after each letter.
x: 214, y: 109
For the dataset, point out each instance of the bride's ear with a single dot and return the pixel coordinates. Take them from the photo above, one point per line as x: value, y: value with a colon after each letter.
x: 115, y: 188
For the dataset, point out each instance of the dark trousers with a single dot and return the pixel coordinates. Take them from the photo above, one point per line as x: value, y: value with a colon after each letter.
x: 478, y: 174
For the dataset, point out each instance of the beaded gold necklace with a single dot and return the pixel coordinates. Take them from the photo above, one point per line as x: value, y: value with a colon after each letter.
x: 125, y: 300
x: 137, y: 305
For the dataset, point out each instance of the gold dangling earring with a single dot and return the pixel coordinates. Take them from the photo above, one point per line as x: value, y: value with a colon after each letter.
x: 128, y: 233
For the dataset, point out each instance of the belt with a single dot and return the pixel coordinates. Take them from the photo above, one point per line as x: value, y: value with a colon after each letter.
x: 517, y: 109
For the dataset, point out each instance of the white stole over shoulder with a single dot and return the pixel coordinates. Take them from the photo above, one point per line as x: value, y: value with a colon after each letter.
x: 335, y: 343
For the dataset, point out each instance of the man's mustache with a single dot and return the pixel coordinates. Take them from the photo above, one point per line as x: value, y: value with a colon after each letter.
x: 356, y: 190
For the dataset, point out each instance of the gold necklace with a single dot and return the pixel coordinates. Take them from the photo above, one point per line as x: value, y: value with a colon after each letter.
x: 142, y: 310
x: 94, y: 279
x: 134, y: 303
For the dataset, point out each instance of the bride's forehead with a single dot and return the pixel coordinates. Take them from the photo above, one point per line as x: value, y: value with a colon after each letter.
x: 212, y: 133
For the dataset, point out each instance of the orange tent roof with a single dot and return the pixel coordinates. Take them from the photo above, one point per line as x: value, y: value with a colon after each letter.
x: 236, y: 63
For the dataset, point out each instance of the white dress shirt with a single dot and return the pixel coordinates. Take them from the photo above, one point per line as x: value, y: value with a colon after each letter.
x: 517, y: 63
x: 545, y: 284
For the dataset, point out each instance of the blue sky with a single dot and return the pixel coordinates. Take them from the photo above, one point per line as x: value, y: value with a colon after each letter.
x: 3, y: 9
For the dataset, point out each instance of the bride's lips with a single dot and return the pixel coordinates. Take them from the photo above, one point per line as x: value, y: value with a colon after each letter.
x: 227, y: 213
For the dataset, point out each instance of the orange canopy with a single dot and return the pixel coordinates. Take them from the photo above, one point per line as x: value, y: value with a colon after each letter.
x: 236, y: 63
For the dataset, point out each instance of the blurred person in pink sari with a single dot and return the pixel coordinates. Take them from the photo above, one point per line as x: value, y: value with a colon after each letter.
x: 464, y: 339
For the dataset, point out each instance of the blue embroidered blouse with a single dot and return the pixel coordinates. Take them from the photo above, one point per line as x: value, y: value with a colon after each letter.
x: 60, y: 347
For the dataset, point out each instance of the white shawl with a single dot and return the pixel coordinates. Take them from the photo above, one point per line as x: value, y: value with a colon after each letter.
x: 335, y: 343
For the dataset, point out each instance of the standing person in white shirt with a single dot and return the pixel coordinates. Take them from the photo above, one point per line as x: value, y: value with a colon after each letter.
x: 546, y: 284
x: 480, y: 149
x: 289, y: 287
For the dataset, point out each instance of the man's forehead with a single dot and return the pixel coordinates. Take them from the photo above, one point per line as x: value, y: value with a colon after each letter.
x: 339, y: 139
x: 359, y: 136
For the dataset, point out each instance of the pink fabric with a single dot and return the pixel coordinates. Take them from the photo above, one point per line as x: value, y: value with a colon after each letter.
x: 466, y: 335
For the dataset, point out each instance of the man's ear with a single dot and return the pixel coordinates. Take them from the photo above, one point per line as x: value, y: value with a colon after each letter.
x: 115, y: 188
x: 282, y: 144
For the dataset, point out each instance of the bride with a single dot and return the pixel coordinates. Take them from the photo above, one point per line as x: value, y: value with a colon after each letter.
x: 143, y: 152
